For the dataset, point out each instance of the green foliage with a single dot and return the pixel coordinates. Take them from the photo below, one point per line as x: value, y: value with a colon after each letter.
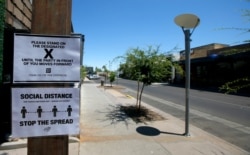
x: 83, y: 72
x: 104, y: 67
x: 145, y: 66
x: 236, y: 85
x: 234, y: 51
x: 98, y: 69
x: 112, y: 78
x: 178, y: 69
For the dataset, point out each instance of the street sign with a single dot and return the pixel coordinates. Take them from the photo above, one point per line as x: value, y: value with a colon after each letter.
x: 46, y: 59
x: 45, y: 111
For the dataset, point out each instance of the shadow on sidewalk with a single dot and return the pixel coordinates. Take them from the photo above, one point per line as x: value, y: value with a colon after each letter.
x: 125, y: 113
x: 151, y: 131
x: 115, y: 115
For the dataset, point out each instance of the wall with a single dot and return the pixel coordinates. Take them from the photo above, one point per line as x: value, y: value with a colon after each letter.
x: 18, y: 14
x: 201, y: 51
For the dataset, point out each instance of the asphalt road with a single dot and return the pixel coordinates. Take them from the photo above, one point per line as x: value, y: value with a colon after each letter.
x: 225, y: 116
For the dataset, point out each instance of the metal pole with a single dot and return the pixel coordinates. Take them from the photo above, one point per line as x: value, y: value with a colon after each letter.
x: 187, y: 69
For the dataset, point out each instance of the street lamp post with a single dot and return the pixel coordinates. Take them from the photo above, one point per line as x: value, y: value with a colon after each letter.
x: 187, y: 22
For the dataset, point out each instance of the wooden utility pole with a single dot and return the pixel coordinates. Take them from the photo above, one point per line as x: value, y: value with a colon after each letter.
x: 2, y: 20
x: 52, y: 17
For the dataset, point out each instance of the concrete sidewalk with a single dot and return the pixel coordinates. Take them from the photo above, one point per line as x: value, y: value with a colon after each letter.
x: 105, y: 130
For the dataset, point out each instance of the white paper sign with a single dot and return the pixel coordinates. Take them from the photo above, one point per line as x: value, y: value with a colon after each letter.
x: 45, y: 111
x: 46, y: 59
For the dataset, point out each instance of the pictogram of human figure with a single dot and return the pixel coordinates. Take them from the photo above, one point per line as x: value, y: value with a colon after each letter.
x: 69, y: 110
x: 54, y: 110
x: 23, y: 111
x: 39, y: 111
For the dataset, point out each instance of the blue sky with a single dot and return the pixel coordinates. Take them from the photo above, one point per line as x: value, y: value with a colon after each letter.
x: 112, y: 27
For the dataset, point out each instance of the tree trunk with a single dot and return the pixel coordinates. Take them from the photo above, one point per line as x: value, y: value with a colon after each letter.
x: 137, y: 96
x: 141, y: 96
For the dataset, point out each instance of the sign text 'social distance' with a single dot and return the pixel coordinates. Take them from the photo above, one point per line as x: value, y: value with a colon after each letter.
x: 41, y: 96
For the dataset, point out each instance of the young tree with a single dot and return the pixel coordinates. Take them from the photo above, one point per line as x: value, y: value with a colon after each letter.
x: 111, y: 78
x: 145, y: 66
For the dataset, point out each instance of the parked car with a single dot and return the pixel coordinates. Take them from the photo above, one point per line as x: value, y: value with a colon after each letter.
x: 94, y: 77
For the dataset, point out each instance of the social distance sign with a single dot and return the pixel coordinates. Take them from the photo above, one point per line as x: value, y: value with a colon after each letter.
x: 45, y: 111
x: 46, y: 59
